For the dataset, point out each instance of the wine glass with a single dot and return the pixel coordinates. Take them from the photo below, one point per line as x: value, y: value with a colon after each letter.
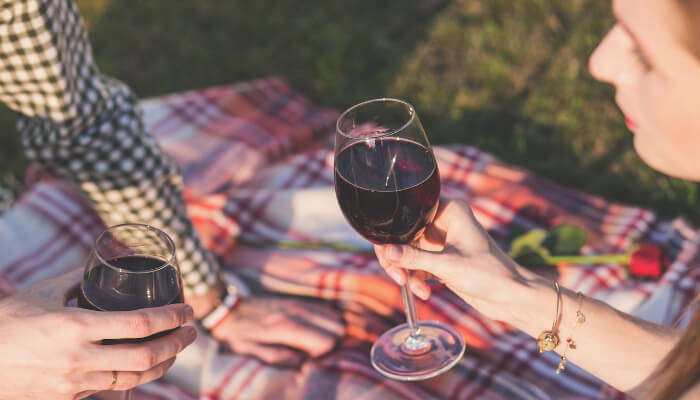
x: 388, y: 186
x: 131, y: 266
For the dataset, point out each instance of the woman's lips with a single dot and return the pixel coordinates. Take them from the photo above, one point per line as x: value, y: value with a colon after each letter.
x: 630, y: 123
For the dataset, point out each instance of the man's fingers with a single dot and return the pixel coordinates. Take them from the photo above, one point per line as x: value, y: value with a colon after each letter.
x: 271, y: 354
x: 299, y: 335
x: 321, y: 317
x: 102, y: 380
x: 143, y: 356
x: 57, y: 289
x: 69, y: 284
x: 135, y: 324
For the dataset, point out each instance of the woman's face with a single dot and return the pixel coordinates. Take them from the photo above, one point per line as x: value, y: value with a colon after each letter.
x: 657, y: 80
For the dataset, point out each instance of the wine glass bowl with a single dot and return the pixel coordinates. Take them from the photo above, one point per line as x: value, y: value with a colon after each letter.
x: 387, y: 184
x: 386, y: 177
x: 131, y: 266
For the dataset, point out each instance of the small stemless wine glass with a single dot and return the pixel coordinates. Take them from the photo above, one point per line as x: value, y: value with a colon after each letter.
x: 131, y: 266
x: 388, y: 186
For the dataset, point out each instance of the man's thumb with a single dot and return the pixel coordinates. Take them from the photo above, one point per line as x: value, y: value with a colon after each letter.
x: 67, y: 285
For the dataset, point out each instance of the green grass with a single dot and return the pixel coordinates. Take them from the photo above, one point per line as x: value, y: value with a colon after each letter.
x: 508, y: 76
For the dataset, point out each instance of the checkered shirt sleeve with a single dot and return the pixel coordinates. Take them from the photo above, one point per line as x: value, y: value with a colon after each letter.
x: 85, y: 127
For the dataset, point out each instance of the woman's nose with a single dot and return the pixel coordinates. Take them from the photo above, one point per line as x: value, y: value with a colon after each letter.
x: 610, y: 60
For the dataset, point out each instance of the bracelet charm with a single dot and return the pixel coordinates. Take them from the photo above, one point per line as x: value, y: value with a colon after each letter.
x: 549, y: 340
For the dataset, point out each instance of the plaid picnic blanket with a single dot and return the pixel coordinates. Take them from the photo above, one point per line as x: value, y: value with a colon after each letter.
x: 256, y: 162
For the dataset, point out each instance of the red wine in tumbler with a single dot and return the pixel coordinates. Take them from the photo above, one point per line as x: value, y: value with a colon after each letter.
x: 104, y: 288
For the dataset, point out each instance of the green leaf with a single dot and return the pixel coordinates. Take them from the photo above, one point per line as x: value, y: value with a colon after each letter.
x: 527, y: 243
x: 532, y: 259
x: 528, y: 249
x: 514, y: 233
x: 565, y: 240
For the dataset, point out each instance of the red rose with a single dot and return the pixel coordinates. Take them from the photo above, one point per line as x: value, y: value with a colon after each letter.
x: 649, y: 260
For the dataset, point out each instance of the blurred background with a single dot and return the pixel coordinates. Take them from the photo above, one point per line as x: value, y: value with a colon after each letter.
x: 507, y: 76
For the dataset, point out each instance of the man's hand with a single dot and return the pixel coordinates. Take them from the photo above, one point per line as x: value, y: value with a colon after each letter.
x: 49, y: 351
x: 280, y: 330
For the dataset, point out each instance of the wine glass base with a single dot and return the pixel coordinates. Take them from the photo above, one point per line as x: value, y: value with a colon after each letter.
x: 436, y: 348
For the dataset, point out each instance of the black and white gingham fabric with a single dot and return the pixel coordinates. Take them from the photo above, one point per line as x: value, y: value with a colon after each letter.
x: 84, y: 126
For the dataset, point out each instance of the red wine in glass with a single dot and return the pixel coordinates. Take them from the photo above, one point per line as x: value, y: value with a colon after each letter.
x: 393, y: 202
x: 131, y: 266
x: 103, y: 288
x: 388, y: 186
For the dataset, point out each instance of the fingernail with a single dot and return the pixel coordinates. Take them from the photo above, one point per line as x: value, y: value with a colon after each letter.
x: 191, y: 334
x: 189, y: 313
x: 420, y: 291
x: 397, y: 276
x: 394, y: 252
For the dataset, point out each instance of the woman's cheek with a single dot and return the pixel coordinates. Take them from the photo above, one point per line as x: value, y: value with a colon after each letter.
x: 670, y: 136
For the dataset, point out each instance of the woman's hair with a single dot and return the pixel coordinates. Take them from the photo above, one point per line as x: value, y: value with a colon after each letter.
x: 690, y: 31
x: 680, y: 369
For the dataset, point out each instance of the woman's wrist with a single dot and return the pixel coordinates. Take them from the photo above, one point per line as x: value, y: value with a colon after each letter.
x: 532, y: 304
x: 512, y: 294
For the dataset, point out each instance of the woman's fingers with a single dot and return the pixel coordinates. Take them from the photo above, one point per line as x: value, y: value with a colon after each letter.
x: 443, y: 216
x: 135, y: 324
x: 419, y: 287
x: 397, y: 274
x: 452, y: 215
x: 409, y: 257
x: 102, y: 380
x: 416, y: 281
x: 142, y: 356
x: 433, y: 239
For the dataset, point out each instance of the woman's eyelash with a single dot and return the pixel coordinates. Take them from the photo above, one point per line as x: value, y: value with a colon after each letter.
x: 642, y: 58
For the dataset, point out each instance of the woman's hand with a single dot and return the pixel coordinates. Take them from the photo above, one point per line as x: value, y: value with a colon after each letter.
x: 281, y: 331
x: 458, y: 252
x: 49, y: 351
x: 619, y: 349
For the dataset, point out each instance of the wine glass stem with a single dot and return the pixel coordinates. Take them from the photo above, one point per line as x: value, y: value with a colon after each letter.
x: 410, y: 306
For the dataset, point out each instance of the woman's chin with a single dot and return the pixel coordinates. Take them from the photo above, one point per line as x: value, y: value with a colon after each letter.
x: 656, y: 158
